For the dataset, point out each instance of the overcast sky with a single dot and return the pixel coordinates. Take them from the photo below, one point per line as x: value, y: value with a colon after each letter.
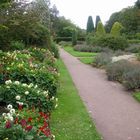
x: 79, y: 10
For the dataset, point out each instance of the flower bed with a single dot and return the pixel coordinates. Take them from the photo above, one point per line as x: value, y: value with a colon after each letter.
x: 29, y: 79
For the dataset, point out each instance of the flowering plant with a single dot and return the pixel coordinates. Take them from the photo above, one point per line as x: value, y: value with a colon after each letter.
x: 31, y: 95
x: 25, y: 124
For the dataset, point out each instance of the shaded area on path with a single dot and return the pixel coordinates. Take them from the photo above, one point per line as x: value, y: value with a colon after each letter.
x: 115, y: 113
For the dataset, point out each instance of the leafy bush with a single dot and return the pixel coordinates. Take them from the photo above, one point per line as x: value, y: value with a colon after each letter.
x: 89, y: 48
x: 102, y: 59
x: 16, y: 45
x: 54, y: 49
x: 133, y: 49
x: 31, y: 95
x: 115, y: 71
x: 134, y: 41
x: 100, y: 29
x: 116, y: 29
x: 132, y: 78
x: 112, y: 42
x: 23, y: 67
x: 25, y: 124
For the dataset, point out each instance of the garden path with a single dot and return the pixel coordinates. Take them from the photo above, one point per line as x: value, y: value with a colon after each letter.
x: 115, y: 112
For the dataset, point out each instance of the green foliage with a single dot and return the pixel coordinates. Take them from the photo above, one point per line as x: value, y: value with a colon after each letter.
x: 21, y: 66
x: 29, y: 94
x: 16, y: 45
x: 137, y: 4
x: 133, y: 48
x: 109, y: 41
x: 129, y: 18
x: 131, y: 79
x: 97, y: 20
x: 24, y: 124
x: 100, y: 31
x: 126, y: 73
x: 115, y: 71
x: 116, y: 29
x: 102, y: 59
x: 90, y: 25
x: 74, y: 37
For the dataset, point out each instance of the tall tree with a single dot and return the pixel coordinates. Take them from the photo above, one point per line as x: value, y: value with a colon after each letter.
x: 90, y: 25
x: 100, y: 29
x: 116, y: 29
x: 97, y: 20
x: 137, y: 4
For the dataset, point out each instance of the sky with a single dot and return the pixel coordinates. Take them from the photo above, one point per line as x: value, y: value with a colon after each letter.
x: 79, y: 10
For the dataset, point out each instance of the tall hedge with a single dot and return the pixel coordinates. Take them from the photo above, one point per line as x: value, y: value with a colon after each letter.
x: 90, y: 25
x: 74, y: 37
x: 116, y: 29
x: 100, y: 29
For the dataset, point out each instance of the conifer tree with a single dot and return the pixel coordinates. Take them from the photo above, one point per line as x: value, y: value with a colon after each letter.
x: 90, y: 25
x: 97, y: 20
x: 116, y: 29
x: 100, y: 29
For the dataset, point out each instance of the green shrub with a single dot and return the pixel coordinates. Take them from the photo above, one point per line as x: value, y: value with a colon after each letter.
x: 30, y: 95
x: 21, y: 66
x: 116, y: 29
x: 115, y: 71
x: 54, y: 50
x: 133, y: 49
x: 89, y: 48
x: 134, y: 41
x: 102, y: 59
x: 16, y: 45
x: 132, y: 78
x: 74, y: 37
x: 100, y: 29
x: 112, y: 42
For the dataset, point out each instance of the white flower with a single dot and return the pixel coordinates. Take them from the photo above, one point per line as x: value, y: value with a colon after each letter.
x: 9, y: 115
x: 56, y: 99
x: 31, y: 85
x: 24, y: 85
x: 8, y: 82
x: 35, y: 86
x: 11, y: 118
x: 3, y: 114
x: 17, y: 82
x: 12, y: 111
x: 52, y: 98
x: 9, y: 107
x: 26, y: 92
x: 45, y: 92
x: 53, y: 137
x: 56, y: 105
x: 7, y: 87
x: 17, y: 97
x: 20, y: 103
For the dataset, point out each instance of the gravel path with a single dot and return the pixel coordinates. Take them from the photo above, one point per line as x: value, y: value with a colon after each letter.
x: 115, y: 113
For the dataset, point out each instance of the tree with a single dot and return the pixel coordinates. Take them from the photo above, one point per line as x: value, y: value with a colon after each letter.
x: 74, y: 37
x: 116, y: 29
x: 90, y: 25
x: 137, y: 4
x: 97, y: 20
x: 100, y: 29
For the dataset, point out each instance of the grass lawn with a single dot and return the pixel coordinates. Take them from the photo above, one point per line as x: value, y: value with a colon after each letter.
x: 70, y: 121
x: 137, y: 96
x: 86, y: 60
x: 79, y: 54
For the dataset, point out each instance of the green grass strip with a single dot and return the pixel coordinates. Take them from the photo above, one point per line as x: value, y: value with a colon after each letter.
x: 70, y: 121
x: 137, y: 96
x: 86, y: 60
x: 79, y: 54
